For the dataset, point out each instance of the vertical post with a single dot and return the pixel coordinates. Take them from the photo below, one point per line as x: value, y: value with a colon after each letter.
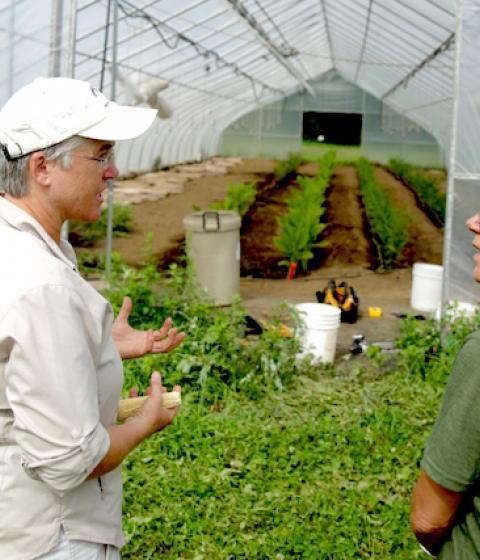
x: 72, y: 36
x: 110, y: 182
x: 56, y: 38
x: 11, y: 48
x: 447, y: 240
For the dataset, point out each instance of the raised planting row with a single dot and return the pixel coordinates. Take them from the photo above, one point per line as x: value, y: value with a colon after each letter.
x: 388, y: 223
x: 288, y: 166
x: 301, y: 226
x: 431, y: 199
x: 240, y: 196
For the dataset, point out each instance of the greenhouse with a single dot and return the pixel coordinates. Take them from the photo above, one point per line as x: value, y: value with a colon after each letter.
x: 236, y: 77
x: 298, y: 208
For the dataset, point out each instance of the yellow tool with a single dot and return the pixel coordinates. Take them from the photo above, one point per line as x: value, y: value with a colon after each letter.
x: 374, y: 311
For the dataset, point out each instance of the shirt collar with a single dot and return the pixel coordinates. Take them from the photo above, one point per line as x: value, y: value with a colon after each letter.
x: 21, y: 220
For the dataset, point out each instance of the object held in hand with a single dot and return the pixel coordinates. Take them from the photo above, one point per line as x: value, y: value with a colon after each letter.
x: 129, y: 407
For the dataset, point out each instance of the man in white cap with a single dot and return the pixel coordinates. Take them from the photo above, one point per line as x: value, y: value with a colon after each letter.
x: 60, y: 357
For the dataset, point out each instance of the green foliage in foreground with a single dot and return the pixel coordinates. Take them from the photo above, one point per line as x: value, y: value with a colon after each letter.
x: 285, y: 167
x: 240, y: 197
x: 85, y: 234
x: 301, y: 225
x: 388, y: 223
x: 426, y: 188
x: 321, y: 467
x: 324, y: 471
x: 215, y: 358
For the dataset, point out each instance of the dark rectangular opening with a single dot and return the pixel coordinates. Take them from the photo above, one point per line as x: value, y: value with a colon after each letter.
x: 335, y: 128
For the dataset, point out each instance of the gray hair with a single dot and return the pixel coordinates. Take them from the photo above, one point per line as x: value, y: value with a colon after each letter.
x: 14, y: 173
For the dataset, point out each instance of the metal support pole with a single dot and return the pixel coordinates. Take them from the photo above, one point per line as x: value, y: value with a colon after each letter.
x: 72, y: 35
x: 11, y: 48
x: 447, y: 240
x: 110, y: 182
x: 56, y: 38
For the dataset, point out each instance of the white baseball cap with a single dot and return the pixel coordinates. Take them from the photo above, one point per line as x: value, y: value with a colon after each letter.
x: 50, y: 110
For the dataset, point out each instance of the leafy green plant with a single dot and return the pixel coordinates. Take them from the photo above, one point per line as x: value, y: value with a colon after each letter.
x: 388, y: 223
x: 90, y: 262
x: 322, y: 471
x: 427, y: 189
x: 288, y: 166
x: 429, y: 347
x: 85, y: 234
x: 240, y: 197
x: 301, y: 225
x: 215, y: 358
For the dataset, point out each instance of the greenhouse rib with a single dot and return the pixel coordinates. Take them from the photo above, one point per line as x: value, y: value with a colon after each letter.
x: 449, y: 41
x: 329, y: 35
x: 271, y: 47
x: 364, y: 40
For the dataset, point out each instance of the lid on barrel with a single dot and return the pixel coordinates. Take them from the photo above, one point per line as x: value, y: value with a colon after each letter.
x: 212, y: 221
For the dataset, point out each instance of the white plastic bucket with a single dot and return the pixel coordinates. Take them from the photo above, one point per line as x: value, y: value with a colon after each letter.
x: 426, y: 287
x: 319, y: 336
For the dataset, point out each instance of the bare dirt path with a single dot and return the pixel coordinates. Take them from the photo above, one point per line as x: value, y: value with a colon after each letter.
x: 345, y: 232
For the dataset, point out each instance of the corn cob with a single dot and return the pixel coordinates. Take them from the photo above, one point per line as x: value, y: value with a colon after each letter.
x: 129, y: 407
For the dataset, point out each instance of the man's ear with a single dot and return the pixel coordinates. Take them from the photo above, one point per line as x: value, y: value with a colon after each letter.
x: 39, y: 169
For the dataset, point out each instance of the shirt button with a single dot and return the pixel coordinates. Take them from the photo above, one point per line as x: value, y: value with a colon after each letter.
x: 75, y: 434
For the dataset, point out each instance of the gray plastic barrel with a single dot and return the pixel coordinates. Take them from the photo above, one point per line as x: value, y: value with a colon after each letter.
x: 215, y: 252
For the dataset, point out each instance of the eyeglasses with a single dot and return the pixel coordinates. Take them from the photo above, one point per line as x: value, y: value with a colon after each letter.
x: 104, y: 162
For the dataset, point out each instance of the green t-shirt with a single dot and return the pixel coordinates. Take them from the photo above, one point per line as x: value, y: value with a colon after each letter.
x: 452, y: 454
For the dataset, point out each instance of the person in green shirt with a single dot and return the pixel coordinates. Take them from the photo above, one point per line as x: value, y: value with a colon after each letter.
x: 445, y: 510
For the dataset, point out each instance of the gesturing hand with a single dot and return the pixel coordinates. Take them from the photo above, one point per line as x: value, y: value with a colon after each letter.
x: 133, y: 343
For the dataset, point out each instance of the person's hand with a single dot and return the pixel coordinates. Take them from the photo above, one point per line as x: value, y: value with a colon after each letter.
x: 153, y: 416
x: 133, y: 343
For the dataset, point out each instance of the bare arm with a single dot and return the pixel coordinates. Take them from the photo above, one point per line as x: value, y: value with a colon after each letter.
x: 152, y: 417
x: 433, y: 512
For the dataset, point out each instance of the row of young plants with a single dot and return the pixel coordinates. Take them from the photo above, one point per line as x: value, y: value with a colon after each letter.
x: 240, y: 196
x: 287, y: 167
x: 388, y: 223
x: 301, y: 226
x: 432, y: 200
x: 312, y: 462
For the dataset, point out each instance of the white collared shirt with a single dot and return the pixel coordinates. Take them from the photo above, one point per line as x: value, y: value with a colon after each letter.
x: 60, y: 383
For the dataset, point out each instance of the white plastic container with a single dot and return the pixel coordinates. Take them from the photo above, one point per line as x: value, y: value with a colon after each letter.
x: 426, y: 287
x: 319, y: 335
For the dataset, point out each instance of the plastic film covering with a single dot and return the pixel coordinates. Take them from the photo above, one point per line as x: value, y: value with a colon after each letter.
x: 225, y: 59
x: 464, y: 177
x: 385, y: 132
